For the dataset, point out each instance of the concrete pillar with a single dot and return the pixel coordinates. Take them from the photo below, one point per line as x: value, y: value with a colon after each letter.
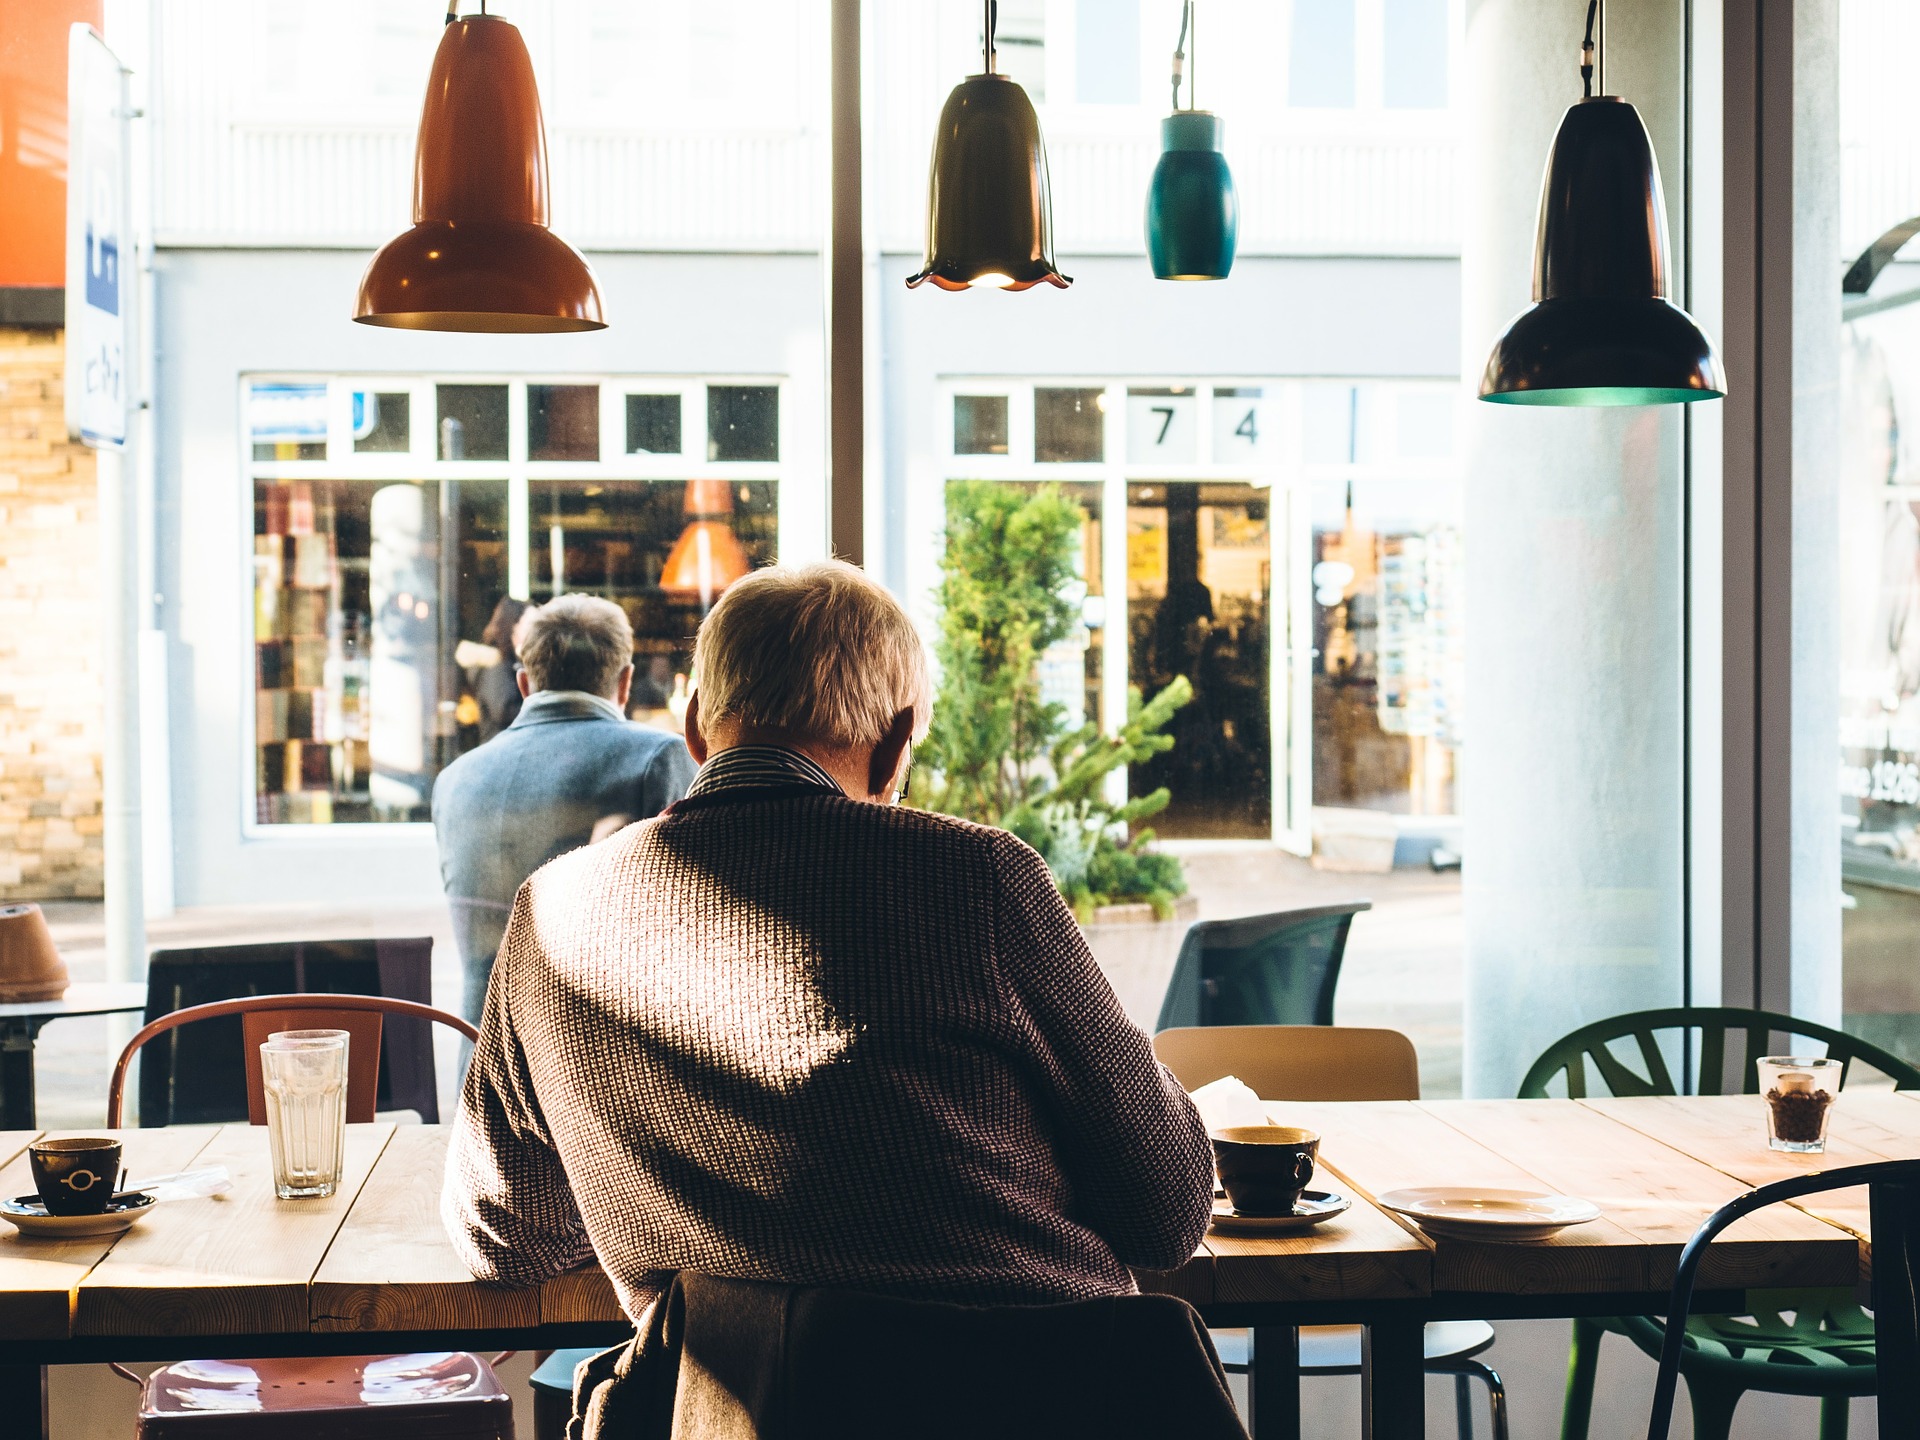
x: 1574, y: 778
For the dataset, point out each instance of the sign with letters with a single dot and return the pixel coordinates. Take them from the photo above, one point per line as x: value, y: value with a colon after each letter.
x: 99, y: 243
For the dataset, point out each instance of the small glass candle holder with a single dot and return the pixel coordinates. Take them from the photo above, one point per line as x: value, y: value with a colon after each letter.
x: 1799, y: 1092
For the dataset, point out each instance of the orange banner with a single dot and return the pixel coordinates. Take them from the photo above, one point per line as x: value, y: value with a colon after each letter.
x: 33, y: 136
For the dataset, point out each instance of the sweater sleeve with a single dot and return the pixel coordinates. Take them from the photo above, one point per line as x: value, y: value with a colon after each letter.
x: 506, y: 1202
x: 1131, y: 1143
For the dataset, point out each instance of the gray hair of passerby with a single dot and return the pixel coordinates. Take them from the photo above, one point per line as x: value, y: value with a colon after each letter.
x: 574, y: 642
x: 818, y: 651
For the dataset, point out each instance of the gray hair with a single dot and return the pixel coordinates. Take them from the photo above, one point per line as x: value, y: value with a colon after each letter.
x: 575, y: 642
x: 819, y: 651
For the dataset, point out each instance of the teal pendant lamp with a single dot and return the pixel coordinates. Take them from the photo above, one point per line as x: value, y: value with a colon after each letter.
x: 1193, y: 211
x: 1601, y: 330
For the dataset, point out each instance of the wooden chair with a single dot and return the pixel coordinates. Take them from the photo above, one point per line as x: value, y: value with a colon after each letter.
x: 1893, y: 1188
x: 1278, y: 969
x: 367, y: 1397
x: 1331, y: 1062
x: 1827, y: 1348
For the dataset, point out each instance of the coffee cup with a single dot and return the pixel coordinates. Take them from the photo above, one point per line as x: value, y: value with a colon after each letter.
x: 1264, y: 1168
x: 75, y: 1177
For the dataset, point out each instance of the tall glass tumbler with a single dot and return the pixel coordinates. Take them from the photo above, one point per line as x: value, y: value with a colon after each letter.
x: 305, y: 1076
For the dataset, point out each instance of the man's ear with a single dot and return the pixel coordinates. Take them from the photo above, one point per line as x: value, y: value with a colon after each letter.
x: 696, y: 742
x: 623, y: 687
x: 888, y: 756
x: 525, y: 683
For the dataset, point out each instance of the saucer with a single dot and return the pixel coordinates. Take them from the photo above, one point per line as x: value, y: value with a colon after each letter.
x: 28, y: 1214
x: 1315, y: 1207
x: 1448, y: 1212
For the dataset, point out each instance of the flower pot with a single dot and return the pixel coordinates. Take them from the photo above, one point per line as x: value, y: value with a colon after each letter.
x: 1135, y: 950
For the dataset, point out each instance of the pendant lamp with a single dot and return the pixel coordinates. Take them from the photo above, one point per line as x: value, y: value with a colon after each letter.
x: 708, y: 556
x: 1193, y: 212
x: 989, y: 213
x: 1601, y: 330
x: 480, y: 256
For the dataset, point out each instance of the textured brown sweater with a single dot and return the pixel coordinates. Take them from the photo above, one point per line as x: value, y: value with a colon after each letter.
x: 781, y: 1035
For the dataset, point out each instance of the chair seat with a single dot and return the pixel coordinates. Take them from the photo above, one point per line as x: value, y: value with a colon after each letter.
x: 1335, y: 1349
x: 441, y: 1395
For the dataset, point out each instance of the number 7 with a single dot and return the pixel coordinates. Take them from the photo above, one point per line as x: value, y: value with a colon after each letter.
x: 1165, y: 425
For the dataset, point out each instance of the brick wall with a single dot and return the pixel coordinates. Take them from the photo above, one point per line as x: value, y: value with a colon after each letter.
x: 50, y: 695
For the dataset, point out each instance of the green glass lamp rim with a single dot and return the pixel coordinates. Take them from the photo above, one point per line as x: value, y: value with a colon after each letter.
x: 1601, y: 396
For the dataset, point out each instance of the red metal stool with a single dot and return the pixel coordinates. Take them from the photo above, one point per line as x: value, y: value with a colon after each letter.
x: 432, y: 1396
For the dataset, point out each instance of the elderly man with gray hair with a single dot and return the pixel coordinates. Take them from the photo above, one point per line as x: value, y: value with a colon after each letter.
x: 568, y: 770
x: 792, y: 1031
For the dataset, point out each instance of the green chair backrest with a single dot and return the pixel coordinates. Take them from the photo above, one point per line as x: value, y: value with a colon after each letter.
x: 1586, y: 1056
x: 1278, y: 969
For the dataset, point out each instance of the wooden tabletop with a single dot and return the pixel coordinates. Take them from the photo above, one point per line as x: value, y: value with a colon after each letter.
x: 373, y: 1259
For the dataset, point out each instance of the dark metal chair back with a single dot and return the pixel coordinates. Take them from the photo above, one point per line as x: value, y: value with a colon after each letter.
x: 1279, y: 969
x: 1894, y: 1188
x: 196, y: 1075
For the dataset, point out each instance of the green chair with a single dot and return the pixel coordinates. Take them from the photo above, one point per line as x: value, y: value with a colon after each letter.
x: 1826, y: 1348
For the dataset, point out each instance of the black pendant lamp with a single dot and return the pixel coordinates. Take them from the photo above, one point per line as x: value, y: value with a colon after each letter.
x: 1193, y: 211
x: 989, y: 214
x: 1601, y: 330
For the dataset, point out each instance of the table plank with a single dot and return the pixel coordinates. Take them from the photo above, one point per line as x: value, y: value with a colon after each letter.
x: 233, y: 1264
x: 1657, y: 1194
x: 1364, y: 1254
x: 391, y: 1266
x: 38, y: 1276
x: 1377, y: 1146
x: 579, y: 1295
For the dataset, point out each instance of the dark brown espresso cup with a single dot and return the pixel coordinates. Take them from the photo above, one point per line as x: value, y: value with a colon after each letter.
x: 75, y: 1177
x: 1264, y: 1167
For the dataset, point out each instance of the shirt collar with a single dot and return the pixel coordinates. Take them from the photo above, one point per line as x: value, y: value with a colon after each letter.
x: 760, y: 767
x: 601, y: 703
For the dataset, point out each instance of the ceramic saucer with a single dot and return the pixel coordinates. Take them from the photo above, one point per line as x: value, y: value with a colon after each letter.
x: 1452, y: 1213
x: 1315, y: 1207
x: 28, y: 1214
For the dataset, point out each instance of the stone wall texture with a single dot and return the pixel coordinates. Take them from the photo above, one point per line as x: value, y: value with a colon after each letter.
x: 50, y: 682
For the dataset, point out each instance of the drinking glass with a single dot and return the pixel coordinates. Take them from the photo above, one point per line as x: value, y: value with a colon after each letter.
x: 1799, y: 1091
x: 305, y: 1076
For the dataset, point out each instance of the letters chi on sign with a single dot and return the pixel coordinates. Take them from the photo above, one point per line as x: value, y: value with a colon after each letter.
x: 98, y: 242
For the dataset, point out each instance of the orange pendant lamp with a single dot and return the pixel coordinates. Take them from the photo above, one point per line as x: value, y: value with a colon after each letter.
x: 480, y: 256
x: 708, y: 556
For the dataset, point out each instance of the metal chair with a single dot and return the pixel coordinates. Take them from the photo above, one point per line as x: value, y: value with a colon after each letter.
x: 451, y: 1396
x: 1331, y: 1062
x: 1827, y: 1348
x: 1278, y: 969
x: 1894, y: 1191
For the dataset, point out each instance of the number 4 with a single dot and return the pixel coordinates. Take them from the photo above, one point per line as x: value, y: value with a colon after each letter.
x: 1248, y: 429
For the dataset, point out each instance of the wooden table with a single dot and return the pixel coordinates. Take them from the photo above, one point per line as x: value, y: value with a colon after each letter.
x: 21, y: 1022
x: 369, y: 1269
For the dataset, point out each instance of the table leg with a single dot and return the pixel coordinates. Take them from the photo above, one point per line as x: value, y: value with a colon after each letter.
x: 16, y: 1074
x: 1273, y: 1382
x: 1896, y: 1305
x: 1393, y: 1381
x: 23, y: 1392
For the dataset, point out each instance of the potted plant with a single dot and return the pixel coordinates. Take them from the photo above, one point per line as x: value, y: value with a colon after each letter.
x: 1001, y: 754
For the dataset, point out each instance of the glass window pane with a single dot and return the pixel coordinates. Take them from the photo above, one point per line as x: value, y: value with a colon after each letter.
x: 1243, y: 425
x: 1069, y: 426
x: 1107, y: 67
x: 1320, y: 71
x: 287, y: 421
x: 473, y: 422
x: 360, y: 614
x: 1163, y: 426
x: 1020, y: 45
x: 382, y: 422
x: 743, y: 422
x: 979, y: 424
x: 563, y: 422
x: 1414, y: 62
x: 1329, y: 419
x: 653, y: 424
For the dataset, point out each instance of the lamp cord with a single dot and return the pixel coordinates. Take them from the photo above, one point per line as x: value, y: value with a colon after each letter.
x: 1586, y: 52
x: 1180, y: 55
x: 991, y: 22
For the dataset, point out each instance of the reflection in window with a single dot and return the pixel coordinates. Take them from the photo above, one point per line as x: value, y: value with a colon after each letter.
x: 382, y: 422
x: 1414, y: 65
x: 363, y: 592
x: 1320, y: 58
x: 287, y: 421
x: 979, y: 424
x: 563, y: 422
x: 743, y: 422
x: 1069, y: 426
x: 653, y: 424
x: 472, y: 422
x: 619, y: 539
x: 1107, y: 67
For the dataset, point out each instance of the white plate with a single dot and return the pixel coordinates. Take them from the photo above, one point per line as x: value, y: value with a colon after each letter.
x: 1450, y: 1212
x: 1315, y: 1207
x: 30, y: 1217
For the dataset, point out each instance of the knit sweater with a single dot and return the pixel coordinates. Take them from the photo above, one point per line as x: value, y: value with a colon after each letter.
x: 778, y: 1034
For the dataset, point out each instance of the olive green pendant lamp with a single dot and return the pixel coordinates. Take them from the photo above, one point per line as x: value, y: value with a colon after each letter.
x: 1193, y: 211
x: 1601, y: 330
x: 989, y: 213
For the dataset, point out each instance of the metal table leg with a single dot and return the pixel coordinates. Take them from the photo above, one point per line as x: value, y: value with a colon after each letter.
x: 1393, y: 1381
x: 23, y: 1394
x: 17, y: 1035
x: 1273, y: 1382
x: 1896, y: 1305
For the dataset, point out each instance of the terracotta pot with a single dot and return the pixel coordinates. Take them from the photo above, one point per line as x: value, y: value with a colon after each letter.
x: 1135, y: 951
x: 30, y: 966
